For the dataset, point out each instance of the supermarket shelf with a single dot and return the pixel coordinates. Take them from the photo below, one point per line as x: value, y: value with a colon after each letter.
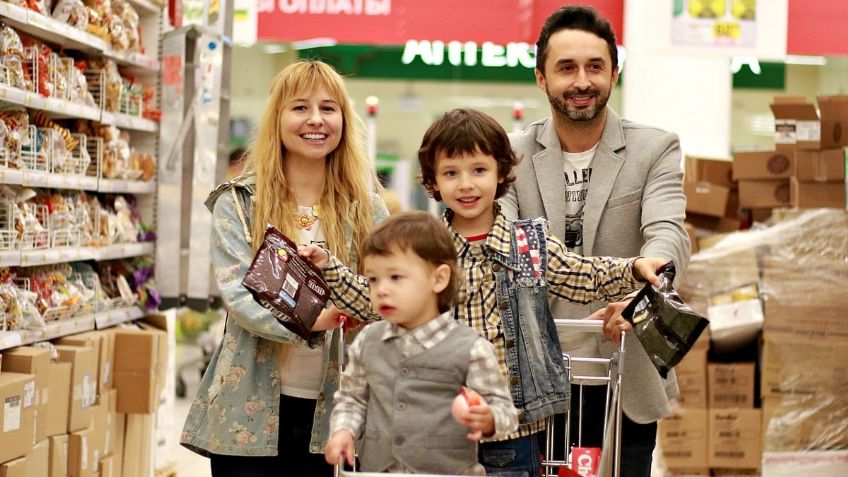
x: 60, y: 33
x: 120, y: 185
x: 53, y: 330
x: 105, y: 319
x: 146, y: 5
x: 57, y: 108
x: 11, y: 176
x: 51, y: 256
x: 50, y: 30
x: 126, y: 121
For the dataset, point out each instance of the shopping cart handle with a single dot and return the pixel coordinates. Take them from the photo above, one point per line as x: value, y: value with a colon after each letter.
x: 576, y: 326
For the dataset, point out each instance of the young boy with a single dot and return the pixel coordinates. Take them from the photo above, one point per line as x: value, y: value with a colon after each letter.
x: 418, y: 359
x: 511, y: 270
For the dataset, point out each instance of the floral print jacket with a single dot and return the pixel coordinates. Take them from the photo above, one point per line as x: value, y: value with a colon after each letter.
x: 236, y: 410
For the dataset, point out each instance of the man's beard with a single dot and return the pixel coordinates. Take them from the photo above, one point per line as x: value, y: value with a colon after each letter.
x: 587, y: 114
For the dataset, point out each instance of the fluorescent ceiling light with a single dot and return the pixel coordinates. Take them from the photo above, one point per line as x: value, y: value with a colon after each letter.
x: 805, y: 60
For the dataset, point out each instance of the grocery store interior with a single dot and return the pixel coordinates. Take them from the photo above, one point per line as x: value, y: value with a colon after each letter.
x: 120, y: 117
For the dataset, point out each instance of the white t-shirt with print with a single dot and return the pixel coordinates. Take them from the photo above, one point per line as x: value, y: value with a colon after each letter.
x: 578, y: 173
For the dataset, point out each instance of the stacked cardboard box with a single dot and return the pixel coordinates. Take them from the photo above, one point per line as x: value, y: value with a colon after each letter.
x: 816, y: 144
x: 712, y: 198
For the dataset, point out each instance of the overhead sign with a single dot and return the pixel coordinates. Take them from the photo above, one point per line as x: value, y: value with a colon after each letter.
x: 467, y: 53
x: 393, y: 22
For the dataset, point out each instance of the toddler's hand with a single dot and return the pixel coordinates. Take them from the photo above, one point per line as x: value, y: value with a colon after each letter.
x: 318, y: 256
x: 470, y: 410
x: 340, y: 448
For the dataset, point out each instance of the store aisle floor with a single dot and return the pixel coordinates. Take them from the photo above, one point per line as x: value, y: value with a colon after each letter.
x: 188, y: 463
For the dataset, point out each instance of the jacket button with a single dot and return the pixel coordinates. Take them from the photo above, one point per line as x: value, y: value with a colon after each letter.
x: 401, y: 406
x: 399, y: 440
x: 496, y: 267
x: 404, y: 371
x: 503, y: 305
x: 510, y: 343
x: 514, y: 380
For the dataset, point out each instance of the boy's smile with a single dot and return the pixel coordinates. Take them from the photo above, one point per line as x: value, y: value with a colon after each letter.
x: 468, y: 184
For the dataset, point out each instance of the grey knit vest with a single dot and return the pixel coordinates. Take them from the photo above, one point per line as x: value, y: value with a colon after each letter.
x: 409, y: 405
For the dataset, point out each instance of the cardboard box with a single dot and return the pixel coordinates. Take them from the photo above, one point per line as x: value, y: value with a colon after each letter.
x: 731, y: 385
x: 107, y: 467
x: 138, y: 444
x: 713, y: 170
x: 705, y: 198
x: 734, y: 441
x: 83, y: 384
x: 38, y: 460
x: 796, y: 124
x: 762, y: 194
x: 687, y: 472
x: 804, y: 367
x: 58, y: 455
x: 810, y: 463
x: 820, y: 166
x: 683, y: 438
x: 762, y: 165
x: 15, y: 468
x: 35, y: 361
x: 713, y: 224
x: 834, y: 121
x: 59, y: 398
x: 82, y: 455
x: 795, y: 422
x: 137, y: 357
x: 809, y: 195
x: 692, y: 379
x: 118, y: 427
x: 17, y: 406
x: 102, y: 343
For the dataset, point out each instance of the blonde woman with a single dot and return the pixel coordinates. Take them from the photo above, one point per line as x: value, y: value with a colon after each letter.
x: 263, y: 404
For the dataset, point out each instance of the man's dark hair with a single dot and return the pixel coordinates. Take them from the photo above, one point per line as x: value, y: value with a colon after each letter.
x: 464, y: 131
x: 575, y: 17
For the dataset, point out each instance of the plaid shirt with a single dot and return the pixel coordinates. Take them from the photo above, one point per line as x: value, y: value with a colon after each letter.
x: 568, y: 276
x: 484, y: 376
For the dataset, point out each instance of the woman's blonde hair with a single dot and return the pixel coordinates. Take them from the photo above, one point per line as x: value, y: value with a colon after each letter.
x: 350, y: 179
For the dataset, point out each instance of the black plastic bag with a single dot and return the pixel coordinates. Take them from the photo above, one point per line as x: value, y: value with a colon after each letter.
x: 666, y: 327
x: 292, y: 288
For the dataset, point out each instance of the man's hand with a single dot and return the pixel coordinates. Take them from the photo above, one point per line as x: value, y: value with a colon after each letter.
x: 614, y: 323
x: 340, y: 448
x: 318, y: 256
x: 645, y: 269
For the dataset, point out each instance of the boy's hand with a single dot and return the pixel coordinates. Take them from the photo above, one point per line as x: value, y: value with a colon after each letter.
x: 645, y: 269
x: 318, y: 256
x: 328, y: 319
x: 470, y: 410
x: 340, y: 448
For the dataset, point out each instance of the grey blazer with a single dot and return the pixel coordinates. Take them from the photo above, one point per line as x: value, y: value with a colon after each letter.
x: 635, y: 207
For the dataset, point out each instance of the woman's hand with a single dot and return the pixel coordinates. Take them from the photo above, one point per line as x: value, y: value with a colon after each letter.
x: 328, y: 319
x: 318, y: 256
x: 645, y: 269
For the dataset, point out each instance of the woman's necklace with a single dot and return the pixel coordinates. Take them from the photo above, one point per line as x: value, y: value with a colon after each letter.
x: 307, y: 218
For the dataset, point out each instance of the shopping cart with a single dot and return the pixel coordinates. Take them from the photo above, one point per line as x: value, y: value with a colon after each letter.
x: 613, y: 367
x: 610, y: 459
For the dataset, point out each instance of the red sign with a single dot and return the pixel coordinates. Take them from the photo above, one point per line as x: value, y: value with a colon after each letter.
x: 817, y: 28
x: 393, y: 22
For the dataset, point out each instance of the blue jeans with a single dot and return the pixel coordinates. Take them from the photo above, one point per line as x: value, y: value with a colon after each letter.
x: 513, y: 458
x: 293, y: 458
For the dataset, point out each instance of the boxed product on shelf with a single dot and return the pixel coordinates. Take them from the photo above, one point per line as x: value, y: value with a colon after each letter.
x: 137, y: 362
x: 692, y: 379
x: 59, y: 395
x: 820, y: 166
x: 764, y: 193
x: 683, y: 438
x: 808, y: 195
x: 101, y: 341
x: 15, y: 468
x: 734, y: 438
x: 83, y: 384
x: 17, y: 393
x: 798, y: 125
x: 81, y: 459
x: 731, y: 385
x: 138, y: 445
x: 34, y: 361
x: 762, y: 165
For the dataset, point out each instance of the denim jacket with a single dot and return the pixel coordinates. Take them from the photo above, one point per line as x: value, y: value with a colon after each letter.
x: 236, y: 409
x: 532, y: 346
